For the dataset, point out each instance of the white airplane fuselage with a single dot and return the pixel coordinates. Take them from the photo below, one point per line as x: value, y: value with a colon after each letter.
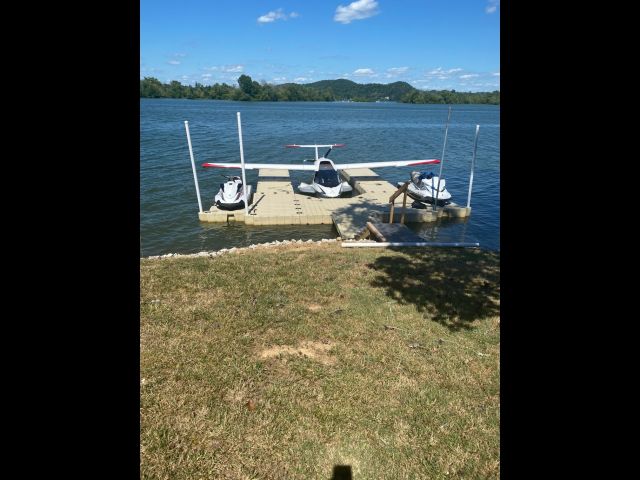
x: 326, y: 181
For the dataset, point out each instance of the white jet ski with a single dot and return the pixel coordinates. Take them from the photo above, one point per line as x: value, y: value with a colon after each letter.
x: 423, y: 188
x: 231, y: 194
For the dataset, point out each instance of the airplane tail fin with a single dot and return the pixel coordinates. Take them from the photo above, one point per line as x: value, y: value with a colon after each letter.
x: 334, y: 145
x: 331, y: 146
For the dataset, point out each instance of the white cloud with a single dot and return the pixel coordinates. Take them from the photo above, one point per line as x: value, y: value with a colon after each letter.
x: 174, y: 58
x: 492, y: 7
x: 397, y: 70
x: 470, y: 75
x: 301, y: 79
x: 276, y: 15
x: 440, y: 71
x: 442, y: 74
x: 356, y: 11
x: 364, y: 72
x: 232, y: 68
x: 496, y: 74
x: 226, y: 68
x: 206, y: 75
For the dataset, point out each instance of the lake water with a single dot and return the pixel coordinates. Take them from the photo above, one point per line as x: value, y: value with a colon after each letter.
x: 371, y: 131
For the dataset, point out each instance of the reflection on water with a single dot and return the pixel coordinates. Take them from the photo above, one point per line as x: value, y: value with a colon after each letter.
x: 444, y: 230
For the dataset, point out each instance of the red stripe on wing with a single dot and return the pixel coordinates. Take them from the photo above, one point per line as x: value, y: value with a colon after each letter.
x: 215, y: 165
x: 424, y: 162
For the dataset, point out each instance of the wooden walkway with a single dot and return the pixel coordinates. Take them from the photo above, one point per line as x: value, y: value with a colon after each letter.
x: 394, y: 232
x: 276, y: 202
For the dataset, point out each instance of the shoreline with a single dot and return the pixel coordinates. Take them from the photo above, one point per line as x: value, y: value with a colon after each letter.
x: 275, y: 243
x: 223, y: 251
x: 318, y: 101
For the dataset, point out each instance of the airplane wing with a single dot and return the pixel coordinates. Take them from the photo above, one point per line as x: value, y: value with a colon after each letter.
x: 255, y: 166
x: 396, y: 163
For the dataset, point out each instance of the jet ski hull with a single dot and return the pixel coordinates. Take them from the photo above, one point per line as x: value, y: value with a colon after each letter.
x: 428, y: 199
x: 423, y: 186
x: 230, y: 206
x: 222, y: 204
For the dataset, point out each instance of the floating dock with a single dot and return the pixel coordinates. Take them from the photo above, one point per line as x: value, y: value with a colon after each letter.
x: 275, y: 202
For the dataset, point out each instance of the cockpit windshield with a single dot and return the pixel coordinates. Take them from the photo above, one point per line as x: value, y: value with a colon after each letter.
x: 327, y: 178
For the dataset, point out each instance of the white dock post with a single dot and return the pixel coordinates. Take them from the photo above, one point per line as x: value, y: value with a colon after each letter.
x: 244, y: 178
x: 473, y: 161
x: 193, y: 164
x: 446, y: 131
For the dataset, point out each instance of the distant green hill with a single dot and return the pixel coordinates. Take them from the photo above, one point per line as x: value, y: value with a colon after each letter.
x: 347, y: 89
x: 324, y: 90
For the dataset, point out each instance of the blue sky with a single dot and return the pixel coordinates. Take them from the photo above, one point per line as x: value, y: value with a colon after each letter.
x: 431, y: 44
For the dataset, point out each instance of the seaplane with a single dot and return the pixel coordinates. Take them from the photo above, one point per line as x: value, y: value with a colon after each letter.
x: 326, y: 180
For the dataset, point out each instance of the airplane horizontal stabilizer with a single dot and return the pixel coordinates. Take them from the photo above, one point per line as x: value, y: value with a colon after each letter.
x: 332, y: 145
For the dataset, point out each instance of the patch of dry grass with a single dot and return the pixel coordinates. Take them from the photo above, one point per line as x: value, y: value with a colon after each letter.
x: 285, y: 362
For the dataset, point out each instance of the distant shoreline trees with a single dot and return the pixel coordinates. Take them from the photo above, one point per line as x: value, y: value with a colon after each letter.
x: 323, y: 91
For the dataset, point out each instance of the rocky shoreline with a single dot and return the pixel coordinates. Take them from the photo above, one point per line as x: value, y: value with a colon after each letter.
x: 224, y: 251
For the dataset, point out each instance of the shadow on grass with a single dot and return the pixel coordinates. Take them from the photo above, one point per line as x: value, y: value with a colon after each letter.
x: 341, y: 472
x: 452, y: 286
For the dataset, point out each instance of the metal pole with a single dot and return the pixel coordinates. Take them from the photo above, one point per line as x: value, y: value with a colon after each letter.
x: 446, y: 132
x: 473, y: 161
x: 193, y: 164
x: 244, y: 178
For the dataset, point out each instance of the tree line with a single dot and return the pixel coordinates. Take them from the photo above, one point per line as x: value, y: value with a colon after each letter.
x: 325, y: 90
x: 451, y: 97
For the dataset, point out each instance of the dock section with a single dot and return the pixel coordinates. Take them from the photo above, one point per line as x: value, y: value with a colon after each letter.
x: 392, y: 232
x: 276, y: 202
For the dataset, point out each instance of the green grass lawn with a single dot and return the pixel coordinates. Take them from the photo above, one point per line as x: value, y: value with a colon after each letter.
x: 284, y: 363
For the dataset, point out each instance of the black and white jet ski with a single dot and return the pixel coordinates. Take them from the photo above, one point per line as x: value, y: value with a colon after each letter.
x: 423, y: 187
x: 231, y: 194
